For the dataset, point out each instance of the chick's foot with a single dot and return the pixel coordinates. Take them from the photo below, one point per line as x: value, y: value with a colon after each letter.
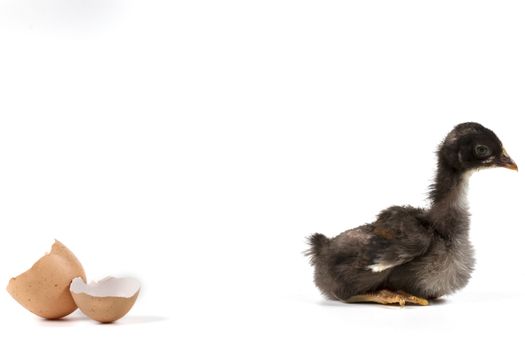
x: 387, y: 297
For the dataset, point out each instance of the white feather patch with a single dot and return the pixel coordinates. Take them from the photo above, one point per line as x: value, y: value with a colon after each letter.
x: 380, y: 267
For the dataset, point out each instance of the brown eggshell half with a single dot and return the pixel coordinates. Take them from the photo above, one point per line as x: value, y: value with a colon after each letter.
x: 44, y: 288
x: 107, y: 300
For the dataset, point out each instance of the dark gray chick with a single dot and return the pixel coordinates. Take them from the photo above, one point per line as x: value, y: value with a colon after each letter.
x: 410, y: 255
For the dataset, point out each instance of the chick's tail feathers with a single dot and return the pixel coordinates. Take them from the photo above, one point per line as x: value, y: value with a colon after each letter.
x: 317, y: 243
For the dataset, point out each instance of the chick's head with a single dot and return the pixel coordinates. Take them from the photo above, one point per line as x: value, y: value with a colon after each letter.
x: 471, y: 146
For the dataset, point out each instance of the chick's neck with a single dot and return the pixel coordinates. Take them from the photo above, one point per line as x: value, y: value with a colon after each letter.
x: 449, y: 212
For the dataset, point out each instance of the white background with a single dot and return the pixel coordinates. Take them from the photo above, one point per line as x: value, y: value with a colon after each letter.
x: 195, y: 144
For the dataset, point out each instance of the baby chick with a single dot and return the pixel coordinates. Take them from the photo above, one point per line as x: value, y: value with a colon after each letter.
x: 411, y: 255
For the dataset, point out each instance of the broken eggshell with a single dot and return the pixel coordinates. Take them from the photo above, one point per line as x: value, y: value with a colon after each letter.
x: 107, y: 300
x: 44, y: 288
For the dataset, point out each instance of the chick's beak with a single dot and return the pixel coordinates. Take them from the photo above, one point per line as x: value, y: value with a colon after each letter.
x: 505, y: 161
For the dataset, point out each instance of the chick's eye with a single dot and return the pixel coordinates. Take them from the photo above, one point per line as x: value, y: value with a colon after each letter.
x: 482, y: 151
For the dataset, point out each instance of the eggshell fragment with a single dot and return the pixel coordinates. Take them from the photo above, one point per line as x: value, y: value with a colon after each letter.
x: 44, y: 288
x: 107, y: 300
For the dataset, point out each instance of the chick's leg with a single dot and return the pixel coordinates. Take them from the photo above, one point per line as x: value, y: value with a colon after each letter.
x: 387, y: 297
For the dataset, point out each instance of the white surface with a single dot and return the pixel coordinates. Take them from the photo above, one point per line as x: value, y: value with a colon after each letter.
x: 124, y: 287
x: 195, y: 144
